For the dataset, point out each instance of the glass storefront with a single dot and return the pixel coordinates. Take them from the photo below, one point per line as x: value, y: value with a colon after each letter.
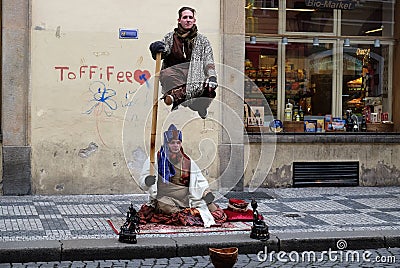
x: 365, y: 83
x: 301, y: 18
x: 305, y: 63
x: 368, y: 18
x: 262, y: 16
x: 261, y: 87
x: 308, y: 77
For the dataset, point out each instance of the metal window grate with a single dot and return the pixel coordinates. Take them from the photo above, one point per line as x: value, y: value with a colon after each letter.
x: 321, y: 174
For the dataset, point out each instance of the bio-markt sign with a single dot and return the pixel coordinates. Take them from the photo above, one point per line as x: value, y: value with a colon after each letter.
x: 330, y: 4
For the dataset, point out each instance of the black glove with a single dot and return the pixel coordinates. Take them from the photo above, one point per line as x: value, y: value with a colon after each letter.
x: 150, y: 180
x: 212, y: 83
x: 209, y: 197
x: 156, y: 47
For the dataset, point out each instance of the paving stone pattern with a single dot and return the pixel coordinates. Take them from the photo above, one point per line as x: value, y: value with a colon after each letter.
x: 289, y: 210
x: 375, y: 258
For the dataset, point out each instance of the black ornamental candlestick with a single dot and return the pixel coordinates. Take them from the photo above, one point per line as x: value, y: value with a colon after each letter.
x: 259, y: 229
x: 130, y: 228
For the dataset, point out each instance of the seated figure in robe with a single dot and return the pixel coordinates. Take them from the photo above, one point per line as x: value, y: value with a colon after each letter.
x: 179, y: 193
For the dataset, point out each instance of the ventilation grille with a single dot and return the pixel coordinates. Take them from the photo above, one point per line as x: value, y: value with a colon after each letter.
x: 325, y: 174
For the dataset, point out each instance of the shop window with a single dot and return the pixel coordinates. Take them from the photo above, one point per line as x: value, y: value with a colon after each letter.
x: 300, y: 18
x: 261, y: 83
x: 369, y: 18
x: 308, y: 79
x: 365, y: 82
x: 262, y: 16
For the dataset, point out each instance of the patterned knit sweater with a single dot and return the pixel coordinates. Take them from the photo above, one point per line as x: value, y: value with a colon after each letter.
x: 202, y: 64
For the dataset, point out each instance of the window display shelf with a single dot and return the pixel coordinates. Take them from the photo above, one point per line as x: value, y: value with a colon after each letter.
x: 327, y: 137
x: 261, y: 87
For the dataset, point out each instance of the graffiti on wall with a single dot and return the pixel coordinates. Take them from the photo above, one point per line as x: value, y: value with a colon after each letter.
x: 142, y: 77
x: 104, y: 98
x: 108, y: 73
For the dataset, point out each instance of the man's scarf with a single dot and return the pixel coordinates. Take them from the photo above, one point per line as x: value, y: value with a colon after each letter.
x: 185, y: 41
x: 186, y: 35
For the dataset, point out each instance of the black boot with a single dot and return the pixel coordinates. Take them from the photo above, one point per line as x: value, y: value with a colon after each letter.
x: 203, y: 113
x: 202, y: 103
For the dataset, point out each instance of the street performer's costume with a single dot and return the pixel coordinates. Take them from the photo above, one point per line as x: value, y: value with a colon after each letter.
x: 188, y: 69
x: 177, y: 194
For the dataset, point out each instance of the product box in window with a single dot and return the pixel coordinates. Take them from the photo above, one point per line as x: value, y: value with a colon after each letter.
x: 320, y: 125
x: 385, y: 117
x: 378, y: 111
x: 256, y: 116
x: 310, y: 125
x: 338, y: 124
x: 328, y: 122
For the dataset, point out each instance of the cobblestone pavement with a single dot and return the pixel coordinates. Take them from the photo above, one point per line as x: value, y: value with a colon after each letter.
x: 357, y: 258
x: 286, y: 210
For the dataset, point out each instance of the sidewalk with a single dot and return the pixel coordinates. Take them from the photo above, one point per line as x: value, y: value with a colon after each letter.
x: 55, y: 228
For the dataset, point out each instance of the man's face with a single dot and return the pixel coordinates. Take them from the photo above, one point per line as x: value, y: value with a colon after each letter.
x: 187, y: 20
x: 174, y: 146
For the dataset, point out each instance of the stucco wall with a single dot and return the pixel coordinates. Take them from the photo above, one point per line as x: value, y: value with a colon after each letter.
x: 378, y: 162
x: 90, y: 105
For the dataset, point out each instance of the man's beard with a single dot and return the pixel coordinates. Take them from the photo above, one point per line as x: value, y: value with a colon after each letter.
x: 175, y: 158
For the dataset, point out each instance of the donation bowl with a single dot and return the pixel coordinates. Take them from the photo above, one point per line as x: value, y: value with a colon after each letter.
x: 223, y: 257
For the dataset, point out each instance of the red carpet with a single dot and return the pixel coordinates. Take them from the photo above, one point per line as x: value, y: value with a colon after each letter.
x: 155, y: 228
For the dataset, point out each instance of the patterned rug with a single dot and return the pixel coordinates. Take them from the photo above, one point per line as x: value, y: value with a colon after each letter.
x: 162, y: 229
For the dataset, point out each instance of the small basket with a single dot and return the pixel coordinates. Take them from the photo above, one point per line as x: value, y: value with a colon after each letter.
x: 380, y: 127
x: 293, y: 126
x: 223, y: 257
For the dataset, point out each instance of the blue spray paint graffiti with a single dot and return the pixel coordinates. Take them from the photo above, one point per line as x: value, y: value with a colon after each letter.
x: 102, y: 96
x: 128, y: 99
x: 142, y: 77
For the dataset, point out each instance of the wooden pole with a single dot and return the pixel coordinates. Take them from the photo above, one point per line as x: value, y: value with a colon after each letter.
x: 154, y: 114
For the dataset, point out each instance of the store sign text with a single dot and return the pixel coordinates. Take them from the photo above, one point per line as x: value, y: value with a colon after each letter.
x: 363, y: 52
x: 330, y: 4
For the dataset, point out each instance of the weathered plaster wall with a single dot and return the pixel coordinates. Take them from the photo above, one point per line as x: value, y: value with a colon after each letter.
x: 92, y: 93
x: 231, y: 141
x: 15, y: 119
x: 378, y: 162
